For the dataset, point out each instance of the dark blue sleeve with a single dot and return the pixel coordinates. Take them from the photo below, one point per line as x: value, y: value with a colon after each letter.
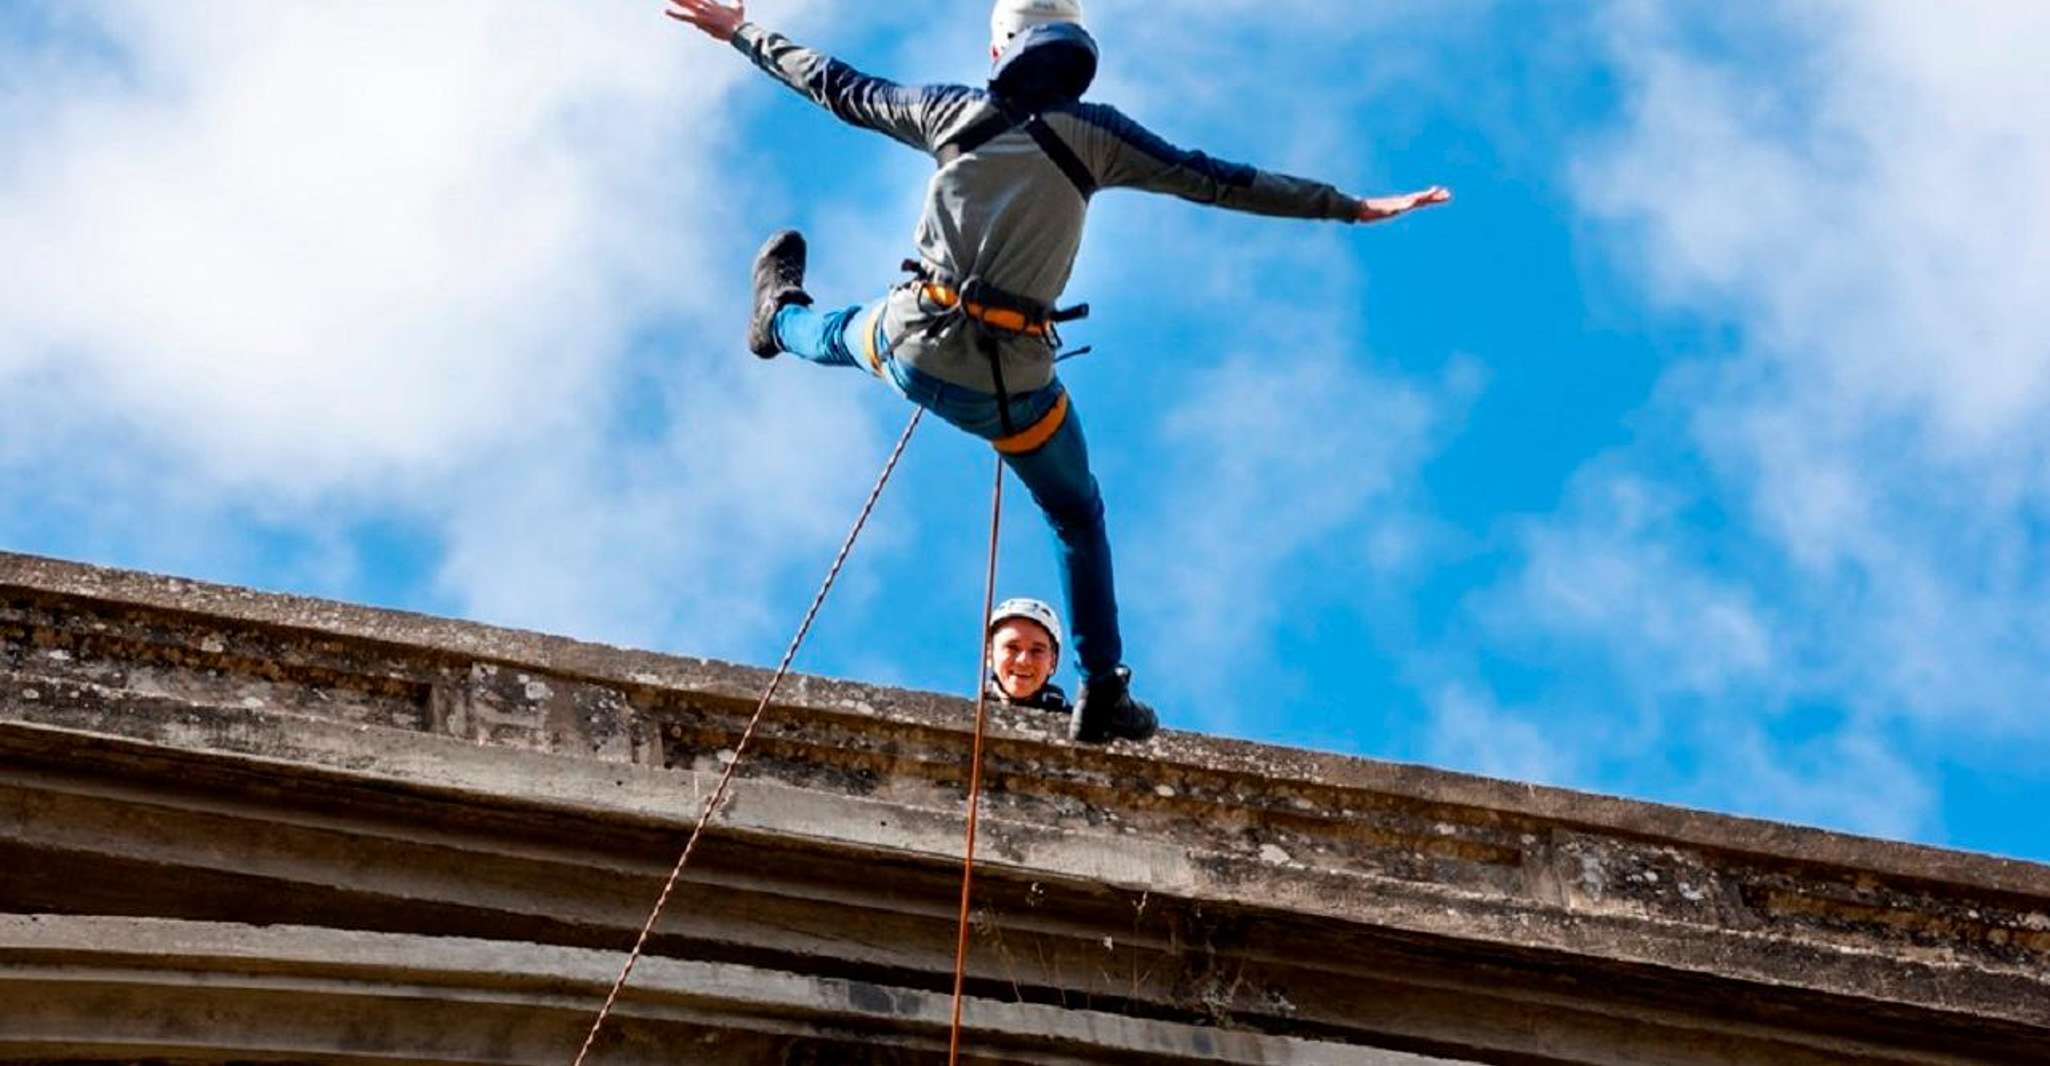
x: 910, y: 114
x: 1122, y: 153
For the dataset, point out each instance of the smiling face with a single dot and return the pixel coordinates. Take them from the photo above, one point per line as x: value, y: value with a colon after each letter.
x: 1022, y: 654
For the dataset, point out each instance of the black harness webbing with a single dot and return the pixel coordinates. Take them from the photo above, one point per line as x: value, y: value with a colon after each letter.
x: 1063, y: 156
x: 975, y: 136
x: 1005, y: 120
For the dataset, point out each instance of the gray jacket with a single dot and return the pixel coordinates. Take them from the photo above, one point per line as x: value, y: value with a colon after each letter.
x: 1005, y: 212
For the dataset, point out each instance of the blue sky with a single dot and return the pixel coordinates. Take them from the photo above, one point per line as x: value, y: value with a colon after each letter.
x: 1695, y: 453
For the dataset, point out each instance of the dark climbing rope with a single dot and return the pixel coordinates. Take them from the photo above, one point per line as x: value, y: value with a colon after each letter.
x: 747, y: 735
x: 989, y: 594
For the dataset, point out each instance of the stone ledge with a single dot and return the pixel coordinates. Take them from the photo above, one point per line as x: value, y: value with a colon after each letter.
x: 1330, y: 896
x: 482, y: 779
x: 411, y: 637
x: 372, y: 991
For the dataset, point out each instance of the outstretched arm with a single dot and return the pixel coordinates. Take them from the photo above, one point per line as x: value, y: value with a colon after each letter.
x: 1125, y: 153
x: 906, y: 114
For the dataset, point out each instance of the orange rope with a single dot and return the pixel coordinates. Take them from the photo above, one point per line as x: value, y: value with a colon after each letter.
x: 747, y: 735
x: 989, y: 595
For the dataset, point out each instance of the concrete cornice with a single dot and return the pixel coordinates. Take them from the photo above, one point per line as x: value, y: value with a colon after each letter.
x: 530, y: 1000
x: 631, y: 668
x: 467, y: 774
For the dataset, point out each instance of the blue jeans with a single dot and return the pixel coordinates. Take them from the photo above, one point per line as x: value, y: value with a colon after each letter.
x: 1056, y: 473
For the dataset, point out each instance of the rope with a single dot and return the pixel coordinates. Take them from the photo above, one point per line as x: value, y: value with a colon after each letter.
x: 989, y: 595
x: 747, y: 735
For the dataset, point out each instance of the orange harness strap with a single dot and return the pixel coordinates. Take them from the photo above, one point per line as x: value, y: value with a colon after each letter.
x: 868, y: 342
x: 1024, y: 442
x: 997, y: 317
x: 1034, y: 437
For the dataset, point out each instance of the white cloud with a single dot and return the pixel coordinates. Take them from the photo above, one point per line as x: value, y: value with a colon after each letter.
x: 1877, y: 226
x: 354, y: 233
x: 755, y: 480
x: 473, y: 265
x: 1287, y: 491
x: 1880, y: 203
x: 1858, y: 188
x: 1613, y: 577
x: 1853, y: 778
x: 1470, y: 732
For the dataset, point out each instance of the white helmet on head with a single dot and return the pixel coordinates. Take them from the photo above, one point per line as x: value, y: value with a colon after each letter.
x: 1031, y: 610
x: 1012, y: 17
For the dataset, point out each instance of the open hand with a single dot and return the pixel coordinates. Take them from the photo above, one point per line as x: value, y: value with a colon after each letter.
x: 716, y: 19
x: 1378, y: 208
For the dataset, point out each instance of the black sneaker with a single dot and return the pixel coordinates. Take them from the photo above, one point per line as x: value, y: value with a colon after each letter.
x: 779, y: 282
x: 1108, y: 712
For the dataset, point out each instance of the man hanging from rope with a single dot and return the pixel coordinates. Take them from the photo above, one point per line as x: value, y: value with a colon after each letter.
x: 972, y: 336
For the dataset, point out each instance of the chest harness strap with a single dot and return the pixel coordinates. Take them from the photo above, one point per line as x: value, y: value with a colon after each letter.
x: 1006, y: 119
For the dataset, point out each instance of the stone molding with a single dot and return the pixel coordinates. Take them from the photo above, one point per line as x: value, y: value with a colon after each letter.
x: 379, y: 760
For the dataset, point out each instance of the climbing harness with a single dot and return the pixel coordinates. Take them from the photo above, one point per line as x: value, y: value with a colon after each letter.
x: 989, y: 595
x: 992, y: 314
x: 987, y: 306
x: 1001, y: 318
x: 747, y: 735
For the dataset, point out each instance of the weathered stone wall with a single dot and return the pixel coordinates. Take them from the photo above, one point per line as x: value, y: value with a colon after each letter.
x: 198, y: 781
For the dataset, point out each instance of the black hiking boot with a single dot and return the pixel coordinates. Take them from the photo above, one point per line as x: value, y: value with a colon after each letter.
x: 1108, y: 712
x: 779, y: 282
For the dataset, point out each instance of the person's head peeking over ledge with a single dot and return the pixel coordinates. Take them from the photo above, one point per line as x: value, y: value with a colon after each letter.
x: 1024, y: 652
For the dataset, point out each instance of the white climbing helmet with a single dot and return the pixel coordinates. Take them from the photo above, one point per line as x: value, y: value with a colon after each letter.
x: 1033, y: 610
x: 1012, y: 17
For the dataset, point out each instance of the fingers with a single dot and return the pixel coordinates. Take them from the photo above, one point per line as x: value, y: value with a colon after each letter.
x: 708, y: 15
x: 1436, y: 194
x: 1381, y: 208
x: 703, y: 9
x: 690, y: 11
